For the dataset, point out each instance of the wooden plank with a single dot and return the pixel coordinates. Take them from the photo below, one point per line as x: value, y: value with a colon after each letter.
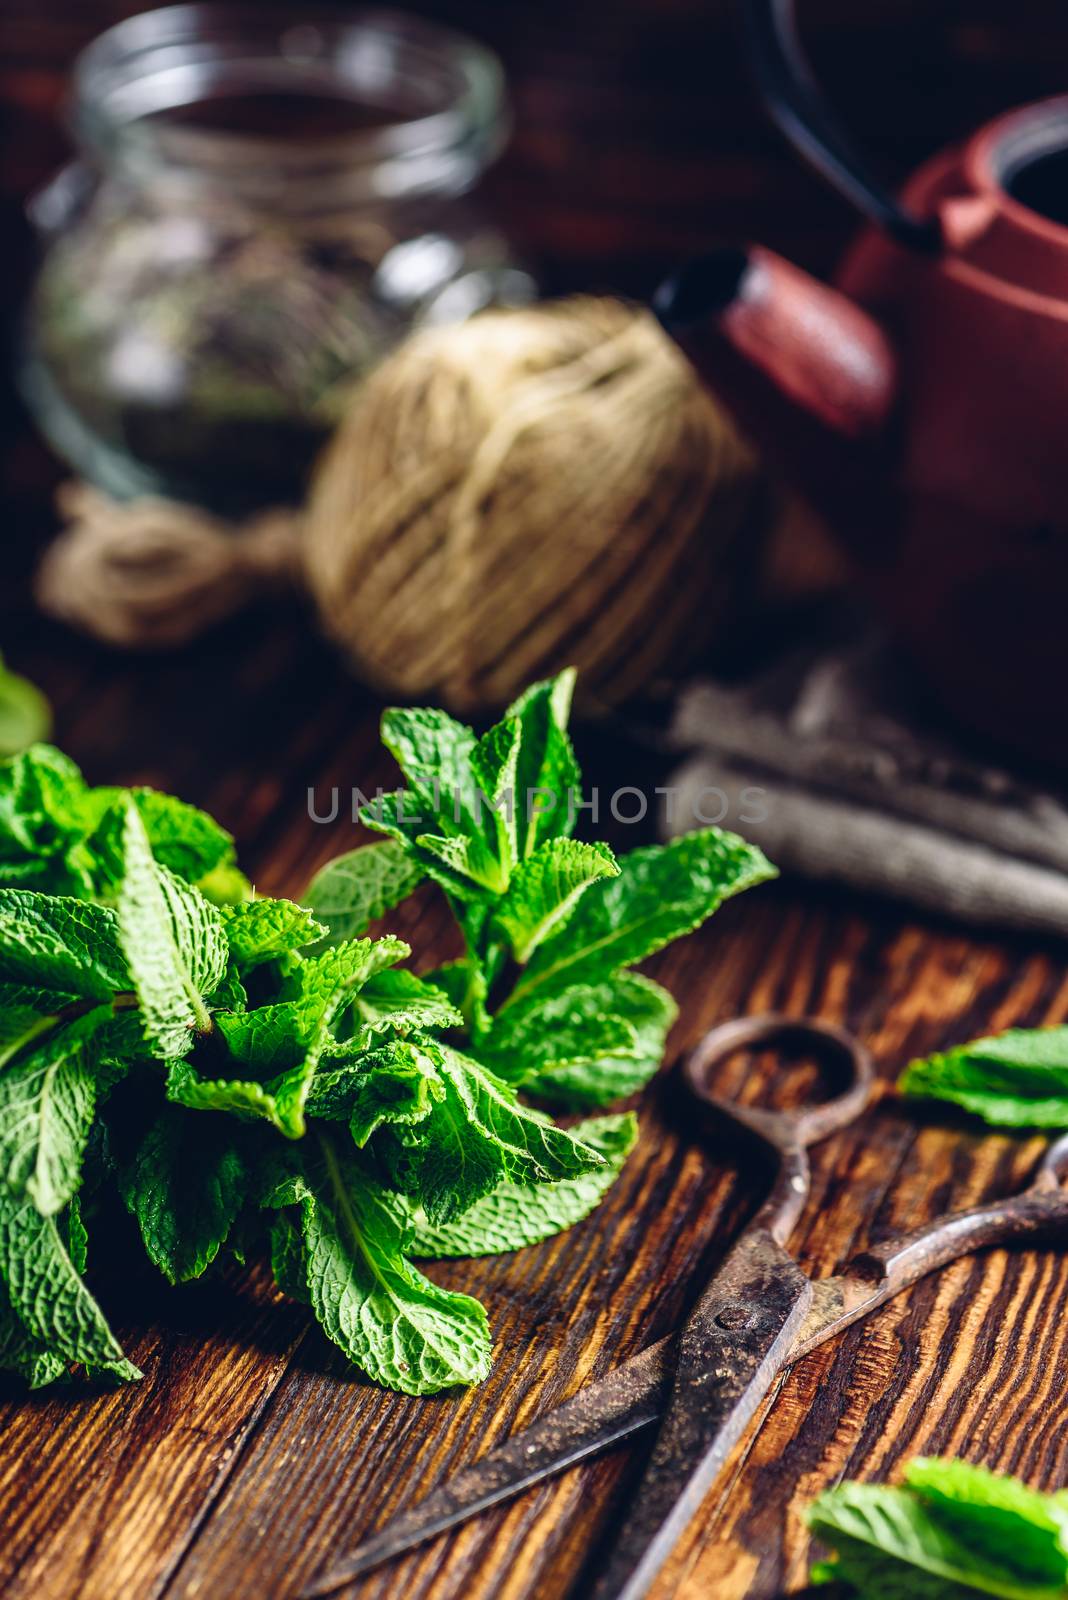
x: 98, y: 1494
x: 338, y: 1457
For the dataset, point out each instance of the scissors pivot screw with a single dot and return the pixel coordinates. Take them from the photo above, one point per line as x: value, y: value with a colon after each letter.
x: 734, y: 1317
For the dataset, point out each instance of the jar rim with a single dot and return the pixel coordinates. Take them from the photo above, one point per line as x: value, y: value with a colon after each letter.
x: 438, y: 95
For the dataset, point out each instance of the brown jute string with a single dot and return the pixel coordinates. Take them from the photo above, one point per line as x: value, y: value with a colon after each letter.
x: 152, y: 573
x: 526, y: 490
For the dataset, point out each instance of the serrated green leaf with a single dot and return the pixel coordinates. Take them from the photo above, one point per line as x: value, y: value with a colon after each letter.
x: 353, y: 890
x: 47, y: 1101
x: 434, y: 751
x: 185, y: 1187
x: 262, y: 930
x: 397, y: 1083
x: 464, y: 866
x: 478, y: 1133
x: 404, y: 1331
x: 21, y: 1024
x: 546, y: 769
x: 996, y: 1515
x: 514, y: 1215
x: 62, y: 944
x: 174, y: 943
x: 573, y: 1029
x: 245, y: 1097
x: 565, y: 1040
x: 441, y: 818
x: 286, y: 1039
x: 1017, y: 1079
x: 494, y: 763
x: 545, y: 890
x: 466, y: 986
x: 877, y: 1530
x: 23, y: 1355
x: 398, y: 1001
x: 182, y: 838
x: 42, y: 805
x: 661, y: 893
x: 287, y: 1258
x: 48, y: 1296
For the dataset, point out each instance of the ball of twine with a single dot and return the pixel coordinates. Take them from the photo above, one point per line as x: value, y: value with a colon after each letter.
x: 528, y: 490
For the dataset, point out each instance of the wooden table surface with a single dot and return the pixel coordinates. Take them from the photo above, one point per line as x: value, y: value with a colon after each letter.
x: 251, y: 1452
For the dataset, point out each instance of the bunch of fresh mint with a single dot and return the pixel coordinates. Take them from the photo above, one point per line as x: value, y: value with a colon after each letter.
x: 951, y: 1532
x: 219, y: 1065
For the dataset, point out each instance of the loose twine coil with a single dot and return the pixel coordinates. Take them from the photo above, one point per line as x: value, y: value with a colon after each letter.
x: 525, y: 490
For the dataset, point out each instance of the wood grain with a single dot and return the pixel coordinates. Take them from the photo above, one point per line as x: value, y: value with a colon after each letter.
x: 251, y: 1454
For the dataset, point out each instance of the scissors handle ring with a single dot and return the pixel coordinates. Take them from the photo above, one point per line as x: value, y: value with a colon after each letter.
x: 787, y: 1133
x: 784, y: 1130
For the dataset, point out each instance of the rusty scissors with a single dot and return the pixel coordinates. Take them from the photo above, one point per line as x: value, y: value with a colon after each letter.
x: 759, y: 1314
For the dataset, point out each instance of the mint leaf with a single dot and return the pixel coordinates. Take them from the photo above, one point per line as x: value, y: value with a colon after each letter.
x: 43, y: 800
x: 23, y: 1355
x: 225, y: 885
x: 174, y: 943
x: 287, y: 1258
x: 289, y: 1036
x: 477, y: 1133
x: 25, y: 715
x: 185, y: 1186
x: 263, y: 930
x: 442, y: 819
x: 398, y: 1001
x: 397, y: 1083
x: 434, y: 751
x: 47, y: 1101
x: 183, y: 839
x: 545, y: 889
x: 985, y: 1536
x: 996, y: 1514
x: 60, y: 943
x: 513, y: 1215
x: 245, y: 1097
x: 353, y: 890
x: 466, y: 986
x: 270, y: 1038
x: 465, y: 867
x: 25, y: 1018
x: 132, y: 947
x: 47, y: 1295
x: 568, y: 1063
x: 1017, y: 1079
x: 547, y: 773
x: 573, y: 1029
x: 661, y: 893
x: 403, y: 1330
x: 493, y: 770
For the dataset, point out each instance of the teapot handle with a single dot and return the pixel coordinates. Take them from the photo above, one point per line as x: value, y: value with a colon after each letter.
x: 796, y: 105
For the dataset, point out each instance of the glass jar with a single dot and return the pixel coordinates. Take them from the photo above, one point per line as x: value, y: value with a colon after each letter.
x: 260, y: 211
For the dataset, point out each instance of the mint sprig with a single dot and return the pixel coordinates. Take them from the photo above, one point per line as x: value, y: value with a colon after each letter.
x: 1016, y: 1079
x: 951, y: 1531
x: 228, y: 1067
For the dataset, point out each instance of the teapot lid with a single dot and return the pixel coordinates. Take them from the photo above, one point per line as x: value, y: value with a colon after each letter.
x: 1004, y: 199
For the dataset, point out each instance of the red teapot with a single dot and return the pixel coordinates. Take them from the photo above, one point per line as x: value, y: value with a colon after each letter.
x: 921, y: 404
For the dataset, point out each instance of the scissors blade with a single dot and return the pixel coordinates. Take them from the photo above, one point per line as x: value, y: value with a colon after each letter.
x: 598, y: 1416
x: 737, y: 1340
